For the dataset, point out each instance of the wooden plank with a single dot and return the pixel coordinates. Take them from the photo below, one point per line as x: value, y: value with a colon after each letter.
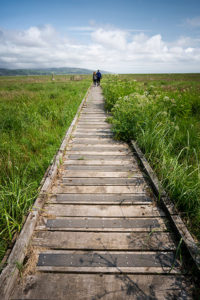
x: 98, y: 148
x: 97, y: 119
x: 102, y: 210
x: 98, y: 162
x: 101, y: 168
x: 91, y: 123
x: 103, y: 181
x: 102, y: 130
x: 114, y: 262
x: 98, y: 157
x: 125, y: 168
x: 112, y: 152
x: 101, y: 198
x: 105, y: 240
x: 115, y: 146
x: 102, y: 126
x: 105, y: 287
x: 73, y: 189
x: 77, y: 173
x: 92, y: 113
x: 95, y: 141
x: 108, y: 131
x: 149, y: 225
x: 93, y: 135
x: 93, y: 110
x: 93, y: 131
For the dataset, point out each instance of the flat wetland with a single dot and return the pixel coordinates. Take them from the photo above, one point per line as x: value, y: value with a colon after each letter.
x: 35, y: 113
x: 160, y: 111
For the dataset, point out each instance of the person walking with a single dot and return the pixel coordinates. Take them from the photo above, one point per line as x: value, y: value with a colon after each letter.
x: 99, y: 76
x: 94, y: 78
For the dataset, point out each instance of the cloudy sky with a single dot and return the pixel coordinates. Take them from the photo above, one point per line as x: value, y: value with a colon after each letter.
x: 122, y: 36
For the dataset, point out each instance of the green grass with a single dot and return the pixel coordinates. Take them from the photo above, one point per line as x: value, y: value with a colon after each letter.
x: 162, y: 113
x: 34, y: 116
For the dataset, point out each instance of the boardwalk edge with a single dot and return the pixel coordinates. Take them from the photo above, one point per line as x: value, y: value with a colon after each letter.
x: 10, y: 272
x: 180, y: 228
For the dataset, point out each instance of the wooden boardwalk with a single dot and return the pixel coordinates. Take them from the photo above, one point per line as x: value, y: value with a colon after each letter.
x: 101, y: 234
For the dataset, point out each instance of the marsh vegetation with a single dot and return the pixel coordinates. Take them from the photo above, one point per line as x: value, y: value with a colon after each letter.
x: 35, y: 113
x: 162, y: 113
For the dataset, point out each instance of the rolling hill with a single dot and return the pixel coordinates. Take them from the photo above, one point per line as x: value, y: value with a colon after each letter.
x: 44, y: 71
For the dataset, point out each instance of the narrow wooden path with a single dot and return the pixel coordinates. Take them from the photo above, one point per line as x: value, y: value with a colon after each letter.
x: 101, y: 234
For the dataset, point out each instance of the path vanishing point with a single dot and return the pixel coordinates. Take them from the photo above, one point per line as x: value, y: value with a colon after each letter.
x: 101, y: 234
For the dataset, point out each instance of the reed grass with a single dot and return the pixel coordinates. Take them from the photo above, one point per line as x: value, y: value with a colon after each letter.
x: 34, y: 116
x: 162, y: 113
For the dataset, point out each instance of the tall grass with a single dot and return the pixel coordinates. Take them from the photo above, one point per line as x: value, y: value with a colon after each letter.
x: 34, y: 115
x: 164, y: 118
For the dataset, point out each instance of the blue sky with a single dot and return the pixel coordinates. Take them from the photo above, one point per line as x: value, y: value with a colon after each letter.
x: 119, y: 36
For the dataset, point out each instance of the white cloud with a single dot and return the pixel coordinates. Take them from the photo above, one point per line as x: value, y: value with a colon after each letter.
x: 110, y: 49
x: 115, y: 39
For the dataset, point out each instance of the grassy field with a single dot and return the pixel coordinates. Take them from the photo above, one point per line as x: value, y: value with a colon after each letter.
x: 162, y: 113
x: 35, y: 113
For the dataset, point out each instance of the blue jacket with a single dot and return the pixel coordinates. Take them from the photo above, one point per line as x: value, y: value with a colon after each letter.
x: 98, y: 75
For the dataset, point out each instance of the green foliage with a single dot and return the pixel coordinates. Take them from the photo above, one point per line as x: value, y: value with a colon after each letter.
x: 165, y: 121
x: 34, y: 116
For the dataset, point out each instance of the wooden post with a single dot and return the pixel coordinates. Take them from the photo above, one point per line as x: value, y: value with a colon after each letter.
x: 52, y: 78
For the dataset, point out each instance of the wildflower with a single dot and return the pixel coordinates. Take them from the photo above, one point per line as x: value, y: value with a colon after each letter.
x: 164, y: 113
x: 166, y: 98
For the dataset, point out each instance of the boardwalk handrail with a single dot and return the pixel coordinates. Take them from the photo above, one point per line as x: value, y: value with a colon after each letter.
x: 17, y: 255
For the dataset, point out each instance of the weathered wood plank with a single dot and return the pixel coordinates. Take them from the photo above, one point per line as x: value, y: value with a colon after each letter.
x: 120, y: 145
x: 95, y: 189
x: 101, y: 198
x: 98, y: 148
x: 103, y: 152
x: 93, y: 113
x: 106, y: 287
x: 103, y: 181
x: 99, y: 156
x: 102, y: 210
x: 102, y: 126
x: 115, y: 262
x: 85, y: 152
x: 92, y: 135
x: 98, y: 162
x: 95, y: 141
x: 96, y: 119
x: 77, y: 173
x: 105, y: 240
x: 92, y: 130
x: 108, y: 224
x: 126, y: 168
x: 91, y: 123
